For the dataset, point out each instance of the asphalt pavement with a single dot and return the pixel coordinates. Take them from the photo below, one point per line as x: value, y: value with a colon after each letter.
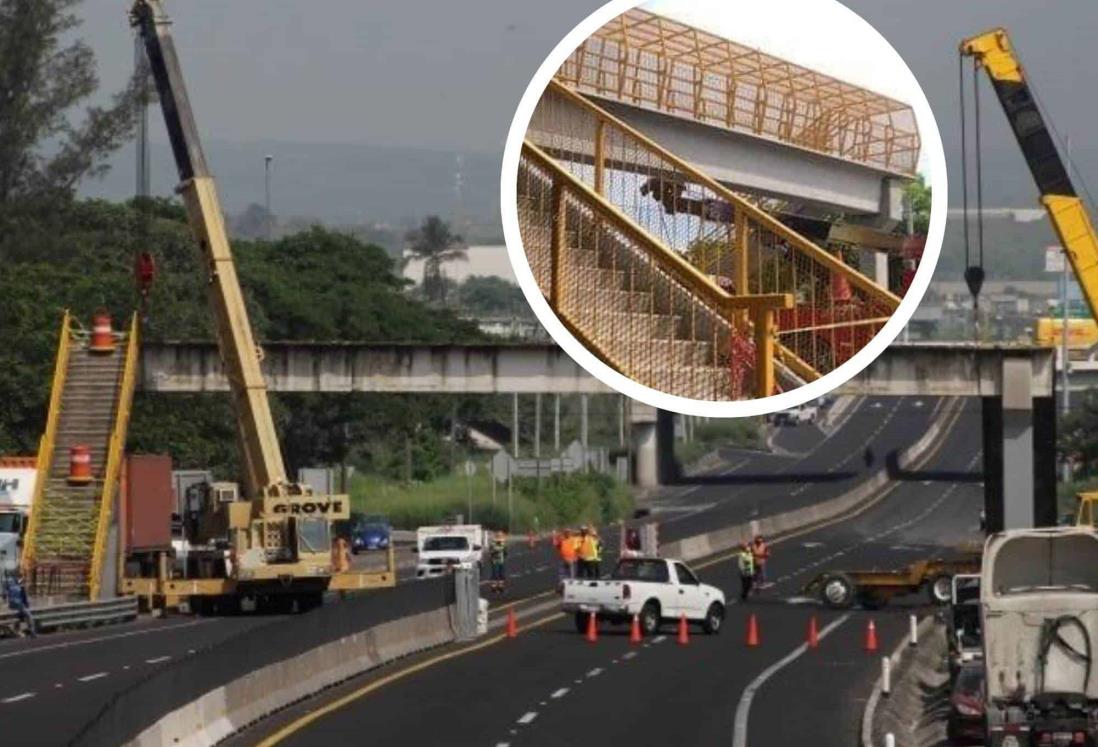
x: 83, y: 670
x: 549, y: 686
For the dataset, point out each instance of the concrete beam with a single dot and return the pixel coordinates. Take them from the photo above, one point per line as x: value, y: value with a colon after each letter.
x: 356, y: 367
x: 754, y: 164
x: 954, y: 370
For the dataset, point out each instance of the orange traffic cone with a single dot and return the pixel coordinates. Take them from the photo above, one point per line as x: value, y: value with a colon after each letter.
x: 813, y: 633
x: 752, y: 631
x: 512, y: 624
x: 592, y: 628
x: 684, y: 631
x: 870, y: 637
x: 635, y: 630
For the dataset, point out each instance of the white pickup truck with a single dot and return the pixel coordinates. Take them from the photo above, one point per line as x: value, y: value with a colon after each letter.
x: 654, y: 589
x: 442, y: 549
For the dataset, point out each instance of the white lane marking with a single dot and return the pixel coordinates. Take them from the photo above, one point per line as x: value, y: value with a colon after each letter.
x: 88, y: 641
x: 743, y: 709
x: 528, y: 717
x: 659, y: 639
x: 629, y: 654
x: 157, y: 660
x: 595, y: 672
x: 90, y: 677
x: 503, y: 744
x: 559, y: 693
x: 17, y: 698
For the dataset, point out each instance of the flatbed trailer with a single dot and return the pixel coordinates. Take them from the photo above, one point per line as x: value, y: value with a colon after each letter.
x: 875, y: 588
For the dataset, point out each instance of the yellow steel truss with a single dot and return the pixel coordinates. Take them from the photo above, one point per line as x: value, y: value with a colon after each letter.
x: 45, y: 445
x: 652, y: 61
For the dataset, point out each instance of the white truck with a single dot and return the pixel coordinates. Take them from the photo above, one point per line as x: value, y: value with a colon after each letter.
x: 653, y: 589
x: 1039, y: 609
x: 443, y: 549
x: 16, y: 495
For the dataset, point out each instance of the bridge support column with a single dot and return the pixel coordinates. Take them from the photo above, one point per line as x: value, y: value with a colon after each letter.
x: 1019, y: 453
x: 653, y: 433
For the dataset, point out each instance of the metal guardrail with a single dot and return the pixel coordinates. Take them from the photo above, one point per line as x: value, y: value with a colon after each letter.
x: 73, y: 615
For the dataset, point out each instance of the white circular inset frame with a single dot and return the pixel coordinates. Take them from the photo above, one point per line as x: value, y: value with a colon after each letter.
x: 843, y: 23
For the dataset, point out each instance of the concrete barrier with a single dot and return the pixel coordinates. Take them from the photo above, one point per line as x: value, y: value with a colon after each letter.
x: 228, y: 709
x: 723, y: 540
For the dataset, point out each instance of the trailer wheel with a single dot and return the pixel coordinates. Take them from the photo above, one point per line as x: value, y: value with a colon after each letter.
x: 941, y: 589
x: 650, y: 617
x: 581, y: 622
x: 838, y: 591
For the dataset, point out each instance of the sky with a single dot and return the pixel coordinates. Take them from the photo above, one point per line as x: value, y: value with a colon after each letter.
x: 448, y: 75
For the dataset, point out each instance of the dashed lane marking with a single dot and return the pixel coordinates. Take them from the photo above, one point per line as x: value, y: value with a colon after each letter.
x: 595, y: 672
x: 559, y: 693
x: 90, y: 677
x: 157, y: 660
x: 17, y: 698
x: 88, y: 641
x: 527, y: 717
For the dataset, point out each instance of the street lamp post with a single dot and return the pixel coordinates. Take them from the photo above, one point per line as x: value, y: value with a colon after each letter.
x: 267, y: 193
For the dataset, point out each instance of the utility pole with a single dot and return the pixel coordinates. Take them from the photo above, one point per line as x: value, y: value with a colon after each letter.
x: 537, y: 425
x: 556, y: 424
x: 514, y: 426
x: 1065, y: 364
x: 267, y: 194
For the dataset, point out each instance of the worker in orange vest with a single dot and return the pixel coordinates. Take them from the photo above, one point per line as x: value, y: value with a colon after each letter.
x: 567, y: 549
x: 341, y: 556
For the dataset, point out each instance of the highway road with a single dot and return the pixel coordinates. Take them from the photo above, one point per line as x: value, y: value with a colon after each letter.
x: 82, y: 671
x: 549, y: 686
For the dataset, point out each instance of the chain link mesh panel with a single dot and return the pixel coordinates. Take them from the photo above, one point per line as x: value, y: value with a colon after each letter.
x: 742, y: 249
x: 607, y: 284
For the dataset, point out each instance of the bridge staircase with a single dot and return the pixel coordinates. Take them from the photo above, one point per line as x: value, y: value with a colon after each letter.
x: 65, y: 554
x: 670, y: 277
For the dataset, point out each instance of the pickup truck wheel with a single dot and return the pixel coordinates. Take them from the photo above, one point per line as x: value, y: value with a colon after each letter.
x: 650, y: 618
x: 714, y: 616
x: 581, y: 622
x: 838, y: 591
x: 941, y: 589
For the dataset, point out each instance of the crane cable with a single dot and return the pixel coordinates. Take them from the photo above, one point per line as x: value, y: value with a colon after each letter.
x: 974, y: 273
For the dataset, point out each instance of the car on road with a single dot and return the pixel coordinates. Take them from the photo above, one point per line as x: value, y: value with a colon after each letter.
x: 966, y: 705
x: 806, y: 413
x: 654, y: 590
x: 371, y: 533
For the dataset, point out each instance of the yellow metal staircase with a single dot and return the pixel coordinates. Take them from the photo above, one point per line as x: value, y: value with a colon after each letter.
x: 670, y: 277
x: 92, y: 393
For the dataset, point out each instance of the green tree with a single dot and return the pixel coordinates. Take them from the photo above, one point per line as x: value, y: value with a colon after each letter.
x: 492, y: 296
x: 435, y: 245
x: 43, y: 77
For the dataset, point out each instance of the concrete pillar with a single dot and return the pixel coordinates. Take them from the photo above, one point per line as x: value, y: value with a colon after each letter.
x: 1018, y: 488
x: 992, y: 416
x: 653, y: 445
x: 1044, y: 461
x: 583, y: 421
x: 880, y: 268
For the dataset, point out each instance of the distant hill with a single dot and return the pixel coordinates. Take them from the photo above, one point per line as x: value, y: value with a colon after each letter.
x: 332, y: 184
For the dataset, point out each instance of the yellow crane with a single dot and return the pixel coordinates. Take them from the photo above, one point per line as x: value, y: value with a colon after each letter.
x: 994, y: 53
x: 275, y: 540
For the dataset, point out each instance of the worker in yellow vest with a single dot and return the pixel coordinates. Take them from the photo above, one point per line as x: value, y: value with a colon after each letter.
x: 589, y: 553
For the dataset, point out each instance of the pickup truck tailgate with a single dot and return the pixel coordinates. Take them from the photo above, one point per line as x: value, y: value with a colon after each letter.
x: 592, y: 594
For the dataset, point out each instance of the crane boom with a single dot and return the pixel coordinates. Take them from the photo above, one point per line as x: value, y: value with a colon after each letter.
x: 993, y: 51
x: 264, y: 472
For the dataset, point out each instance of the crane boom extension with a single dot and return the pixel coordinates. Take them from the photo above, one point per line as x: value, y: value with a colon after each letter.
x: 993, y: 51
x: 263, y: 468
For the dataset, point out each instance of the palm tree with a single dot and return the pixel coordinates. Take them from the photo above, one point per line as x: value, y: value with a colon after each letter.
x: 434, y: 244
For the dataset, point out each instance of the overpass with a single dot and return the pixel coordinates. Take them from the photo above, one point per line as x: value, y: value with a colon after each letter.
x: 1015, y: 382
x: 752, y: 121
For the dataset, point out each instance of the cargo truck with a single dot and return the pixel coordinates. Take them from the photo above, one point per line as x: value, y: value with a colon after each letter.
x: 17, y: 477
x: 1039, y: 611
